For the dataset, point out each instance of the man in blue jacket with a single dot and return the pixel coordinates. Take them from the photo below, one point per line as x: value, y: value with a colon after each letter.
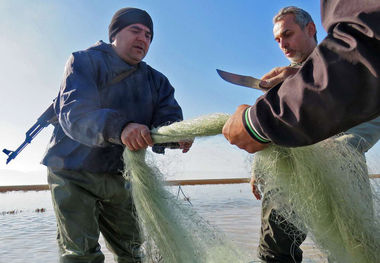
x: 108, y: 99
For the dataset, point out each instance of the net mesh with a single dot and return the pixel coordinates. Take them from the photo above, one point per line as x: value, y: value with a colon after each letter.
x: 171, y: 225
x: 322, y: 189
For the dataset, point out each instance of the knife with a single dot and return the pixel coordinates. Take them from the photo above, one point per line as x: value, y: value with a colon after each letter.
x: 246, y: 81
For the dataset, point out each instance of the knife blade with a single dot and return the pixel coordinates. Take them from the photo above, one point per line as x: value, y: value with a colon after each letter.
x: 241, y: 80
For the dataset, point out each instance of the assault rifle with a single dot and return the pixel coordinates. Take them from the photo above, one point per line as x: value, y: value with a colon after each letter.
x: 48, y: 117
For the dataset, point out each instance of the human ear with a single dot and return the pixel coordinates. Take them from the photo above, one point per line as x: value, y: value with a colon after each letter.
x: 311, y: 30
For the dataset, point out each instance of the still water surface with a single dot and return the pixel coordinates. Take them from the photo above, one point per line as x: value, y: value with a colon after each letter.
x: 29, y: 236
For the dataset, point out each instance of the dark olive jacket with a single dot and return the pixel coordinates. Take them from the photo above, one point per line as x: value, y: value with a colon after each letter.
x: 338, y: 86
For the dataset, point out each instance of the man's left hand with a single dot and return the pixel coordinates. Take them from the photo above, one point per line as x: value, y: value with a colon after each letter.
x: 236, y: 134
x: 185, y: 145
x: 277, y: 75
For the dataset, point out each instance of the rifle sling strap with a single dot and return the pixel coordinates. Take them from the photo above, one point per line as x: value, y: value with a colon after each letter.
x: 121, y: 76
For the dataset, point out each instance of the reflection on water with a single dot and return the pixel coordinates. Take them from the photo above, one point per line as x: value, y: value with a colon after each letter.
x: 29, y: 236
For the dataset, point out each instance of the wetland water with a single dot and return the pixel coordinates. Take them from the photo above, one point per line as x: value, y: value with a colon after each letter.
x: 28, y: 235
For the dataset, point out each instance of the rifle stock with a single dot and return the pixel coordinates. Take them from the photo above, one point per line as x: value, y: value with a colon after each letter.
x: 48, y: 117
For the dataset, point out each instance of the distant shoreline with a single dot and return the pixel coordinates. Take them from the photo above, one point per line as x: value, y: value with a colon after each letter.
x: 44, y: 187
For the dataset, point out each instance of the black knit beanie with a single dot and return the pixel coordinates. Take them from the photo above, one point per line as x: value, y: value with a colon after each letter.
x: 128, y: 16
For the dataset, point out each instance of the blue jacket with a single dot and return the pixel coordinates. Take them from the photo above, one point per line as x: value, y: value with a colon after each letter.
x: 92, y: 113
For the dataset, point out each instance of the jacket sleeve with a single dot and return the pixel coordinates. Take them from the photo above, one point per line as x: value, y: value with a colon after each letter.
x: 78, y: 106
x: 337, y: 88
x: 365, y: 135
x: 167, y: 109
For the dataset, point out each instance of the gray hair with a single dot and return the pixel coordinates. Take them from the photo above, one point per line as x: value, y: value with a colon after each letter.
x: 301, y: 17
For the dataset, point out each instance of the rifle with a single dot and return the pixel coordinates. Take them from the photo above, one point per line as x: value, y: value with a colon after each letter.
x: 48, y: 117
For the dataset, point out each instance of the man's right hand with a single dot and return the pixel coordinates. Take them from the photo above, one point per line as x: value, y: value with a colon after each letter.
x: 277, y: 75
x: 136, y: 136
x: 255, y: 190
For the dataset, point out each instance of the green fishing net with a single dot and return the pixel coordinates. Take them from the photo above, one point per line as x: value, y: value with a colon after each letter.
x: 322, y: 189
x: 171, y: 225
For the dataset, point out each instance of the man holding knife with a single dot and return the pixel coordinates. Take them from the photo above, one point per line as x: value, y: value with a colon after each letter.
x: 340, y: 79
x: 295, y: 32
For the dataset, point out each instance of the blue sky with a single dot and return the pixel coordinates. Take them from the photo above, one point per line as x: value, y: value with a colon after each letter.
x: 191, y: 40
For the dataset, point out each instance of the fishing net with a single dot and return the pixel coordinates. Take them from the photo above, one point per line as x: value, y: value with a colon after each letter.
x: 322, y: 189
x: 171, y: 225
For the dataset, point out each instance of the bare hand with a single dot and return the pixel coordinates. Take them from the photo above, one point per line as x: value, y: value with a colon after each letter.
x: 185, y: 145
x: 276, y: 76
x: 255, y: 190
x: 236, y: 134
x: 136, y: 136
